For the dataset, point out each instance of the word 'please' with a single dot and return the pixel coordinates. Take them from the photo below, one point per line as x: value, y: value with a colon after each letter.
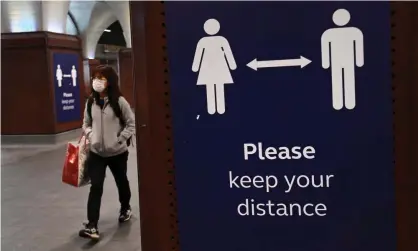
x: 282, y: 152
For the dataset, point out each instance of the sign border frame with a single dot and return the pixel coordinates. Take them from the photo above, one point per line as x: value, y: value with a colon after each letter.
x: 156, y: 171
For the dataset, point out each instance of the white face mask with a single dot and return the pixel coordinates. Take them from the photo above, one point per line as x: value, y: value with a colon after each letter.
x: 99, y: 85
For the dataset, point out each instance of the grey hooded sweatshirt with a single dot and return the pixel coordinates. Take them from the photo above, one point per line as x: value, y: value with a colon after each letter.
x: 106, y: 135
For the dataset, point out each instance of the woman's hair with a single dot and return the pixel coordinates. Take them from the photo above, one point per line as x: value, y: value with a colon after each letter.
x: 112, y: 90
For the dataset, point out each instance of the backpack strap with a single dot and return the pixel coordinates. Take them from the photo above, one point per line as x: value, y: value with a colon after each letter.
x: 89, y: 105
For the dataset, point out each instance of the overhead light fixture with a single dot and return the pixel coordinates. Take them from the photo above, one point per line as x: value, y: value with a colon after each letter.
x: 107, y: 30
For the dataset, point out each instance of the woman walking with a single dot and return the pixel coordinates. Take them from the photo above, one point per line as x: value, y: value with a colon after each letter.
x: 109, y: 124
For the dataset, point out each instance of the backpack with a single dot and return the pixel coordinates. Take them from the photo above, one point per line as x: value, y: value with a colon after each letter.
x: 116, y: 110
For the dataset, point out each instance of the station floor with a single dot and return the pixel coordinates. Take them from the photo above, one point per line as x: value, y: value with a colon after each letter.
x: 40, y: 213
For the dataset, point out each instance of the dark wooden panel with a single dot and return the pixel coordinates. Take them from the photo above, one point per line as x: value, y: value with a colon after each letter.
x: 126, y: 75
x: 63, y: 44
x: 55, y: 40
x: 40, y: 39
x: 23, y: 40
x: 23, y: 35
x: 405, y: 86
x: 25, y: 94
x: 27, y: 82
x: 152, y: 106
x: 93, y: 64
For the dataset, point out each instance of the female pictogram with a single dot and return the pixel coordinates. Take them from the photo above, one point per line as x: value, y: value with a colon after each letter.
x: 59, y: 76
x: 213, y: 60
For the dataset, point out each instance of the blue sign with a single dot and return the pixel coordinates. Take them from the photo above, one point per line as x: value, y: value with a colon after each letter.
x: 282, y: 121
x: 67, y: 87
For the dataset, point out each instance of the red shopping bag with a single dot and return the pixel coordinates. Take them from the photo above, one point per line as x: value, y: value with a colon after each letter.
x: 75, y: 168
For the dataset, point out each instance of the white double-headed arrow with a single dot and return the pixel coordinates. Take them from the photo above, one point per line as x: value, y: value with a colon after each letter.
x: 302, y: 62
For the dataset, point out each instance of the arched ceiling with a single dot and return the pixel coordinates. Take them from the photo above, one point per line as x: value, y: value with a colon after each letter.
x: 93, y: 17
x: 121, y: 9
x: 26, y: 16
x: 20, y: 16
x: 81, y: 11
x: 100, y: 18
x: 90, y: 17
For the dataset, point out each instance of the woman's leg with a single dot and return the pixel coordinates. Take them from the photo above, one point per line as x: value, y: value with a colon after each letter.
x: 220, y: 98
x: 119, y: 166
x: 210, y: 97
x: 96, y: 171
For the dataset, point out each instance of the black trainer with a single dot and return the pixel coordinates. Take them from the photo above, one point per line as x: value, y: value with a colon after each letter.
x: 90, y: 231
x: 125, y: 215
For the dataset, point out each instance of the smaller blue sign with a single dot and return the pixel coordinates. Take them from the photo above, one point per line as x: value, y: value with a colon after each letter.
x: 67, y: 87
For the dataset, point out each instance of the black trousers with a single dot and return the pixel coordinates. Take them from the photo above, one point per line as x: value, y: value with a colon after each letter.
x: 97, y: 171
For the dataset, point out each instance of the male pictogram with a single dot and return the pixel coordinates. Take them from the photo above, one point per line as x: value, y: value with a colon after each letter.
x: 342, y: 48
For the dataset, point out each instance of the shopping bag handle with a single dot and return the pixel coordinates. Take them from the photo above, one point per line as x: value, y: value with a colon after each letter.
x: 85, y: 138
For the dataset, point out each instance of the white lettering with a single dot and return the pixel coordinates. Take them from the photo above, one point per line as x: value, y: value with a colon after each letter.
x: 289, y: 183
x: 232, y: 182
x: 271, y: 152
x: 258, y: 180
x: 282, y: 152
x: 270, y: 185
x: 246, y: 152
x: 251, y: 208
x: 68, y: 107
x: 268, y: 182
x: 307, y: 151
x: 303, y: 181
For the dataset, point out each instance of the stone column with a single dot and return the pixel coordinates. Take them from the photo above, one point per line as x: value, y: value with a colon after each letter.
x: 29, y: 16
